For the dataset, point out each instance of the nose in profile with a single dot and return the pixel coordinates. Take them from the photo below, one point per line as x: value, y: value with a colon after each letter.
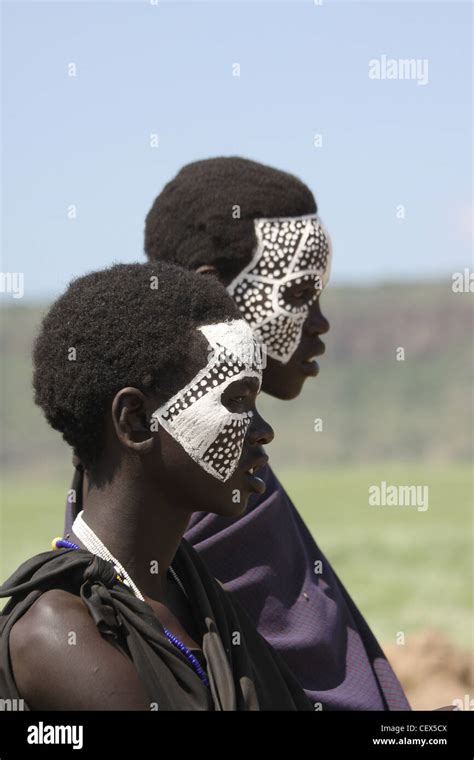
x: 316, y: 323
x: 260, y: 432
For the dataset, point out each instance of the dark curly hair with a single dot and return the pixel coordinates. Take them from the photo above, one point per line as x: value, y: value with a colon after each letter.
x: 192, y: 223
x: 112, y: 329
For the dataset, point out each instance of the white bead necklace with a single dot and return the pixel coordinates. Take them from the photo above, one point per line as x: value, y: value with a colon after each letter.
x: 93, y: 543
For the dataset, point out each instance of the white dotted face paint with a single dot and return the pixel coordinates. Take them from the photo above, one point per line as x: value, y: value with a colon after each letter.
x: 196, y: 417
x: 292, y: 250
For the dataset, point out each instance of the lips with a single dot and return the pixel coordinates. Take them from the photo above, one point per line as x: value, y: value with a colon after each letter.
x: 309, y: 365
x: 250, y: 467
x: 318, y: 349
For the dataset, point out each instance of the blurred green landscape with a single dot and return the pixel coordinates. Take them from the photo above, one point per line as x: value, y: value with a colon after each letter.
x: 405, y: 569
x: 404, y: 422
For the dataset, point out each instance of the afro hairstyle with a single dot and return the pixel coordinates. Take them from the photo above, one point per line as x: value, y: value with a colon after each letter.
x: 192, y: 222
x: 128, y: 325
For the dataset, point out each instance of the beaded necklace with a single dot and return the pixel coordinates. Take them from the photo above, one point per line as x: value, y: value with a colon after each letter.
x: 93, y: 544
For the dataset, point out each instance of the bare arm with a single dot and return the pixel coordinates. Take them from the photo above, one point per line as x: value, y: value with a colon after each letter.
x: 61, y: 662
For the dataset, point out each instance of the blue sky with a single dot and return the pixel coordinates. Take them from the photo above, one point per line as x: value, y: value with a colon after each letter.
x: 167, y: 69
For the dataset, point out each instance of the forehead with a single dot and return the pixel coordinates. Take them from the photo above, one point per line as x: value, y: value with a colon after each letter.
x: 290, y: 245
x: 233, y: 344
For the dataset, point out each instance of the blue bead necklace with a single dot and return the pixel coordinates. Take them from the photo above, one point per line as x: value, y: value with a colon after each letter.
x: 63, y: 543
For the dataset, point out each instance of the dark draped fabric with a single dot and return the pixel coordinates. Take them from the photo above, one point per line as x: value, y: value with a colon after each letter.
x: 267, y: 559
x: 243, y: 670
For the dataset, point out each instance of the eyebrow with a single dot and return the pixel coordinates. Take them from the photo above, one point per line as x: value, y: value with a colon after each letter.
x: 251, y: 382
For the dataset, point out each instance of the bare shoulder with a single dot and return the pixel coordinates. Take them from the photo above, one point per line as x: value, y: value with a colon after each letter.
x: 57, y: 617
x: 46, y: 615
x: 61, y: 662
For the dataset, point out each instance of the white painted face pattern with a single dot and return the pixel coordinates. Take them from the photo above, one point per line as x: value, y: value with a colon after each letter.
x: 196, y: 417
x: 289, y: 250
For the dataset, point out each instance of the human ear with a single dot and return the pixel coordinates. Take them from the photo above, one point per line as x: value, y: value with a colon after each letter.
x: 130, y: 420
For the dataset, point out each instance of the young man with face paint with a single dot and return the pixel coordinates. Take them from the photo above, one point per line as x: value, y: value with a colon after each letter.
x: 159, y: 406
x: 257, y: 230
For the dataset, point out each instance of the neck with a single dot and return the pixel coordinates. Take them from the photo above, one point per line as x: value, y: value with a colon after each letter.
x: 140, y: 526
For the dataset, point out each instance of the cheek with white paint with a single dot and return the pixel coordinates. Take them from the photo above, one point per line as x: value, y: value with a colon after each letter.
x: 196, y: 417
x: 289, y: 250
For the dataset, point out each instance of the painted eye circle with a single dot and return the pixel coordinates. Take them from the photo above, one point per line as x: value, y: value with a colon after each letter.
x: 299, y: 294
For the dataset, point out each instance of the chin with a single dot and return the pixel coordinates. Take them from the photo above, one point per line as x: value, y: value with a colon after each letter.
x: 286, y: 394
x: 284, y: 389
x: 231, y: 510
x: 283, y: 381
